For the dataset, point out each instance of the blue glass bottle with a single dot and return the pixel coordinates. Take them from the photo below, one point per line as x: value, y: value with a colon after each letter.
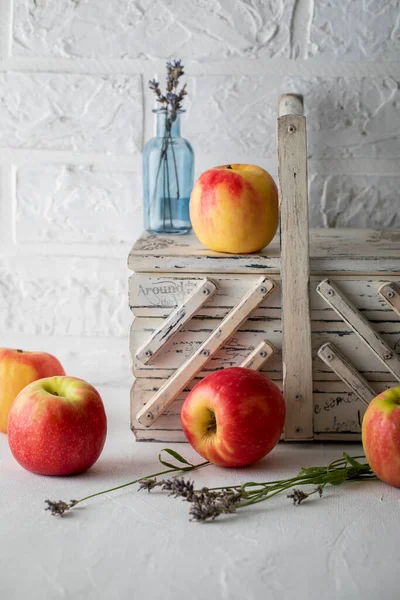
x: 168, y: 177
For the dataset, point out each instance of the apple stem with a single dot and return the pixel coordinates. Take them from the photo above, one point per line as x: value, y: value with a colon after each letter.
x: 229, y: 166
x: 212, y: 425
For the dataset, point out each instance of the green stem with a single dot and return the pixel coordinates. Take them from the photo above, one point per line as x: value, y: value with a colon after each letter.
x: 339, y: 471
x: 169, y: 190
x: 175, y: 167
x: 164, y: 189
x: 160, y: 162
x: 123, y: 485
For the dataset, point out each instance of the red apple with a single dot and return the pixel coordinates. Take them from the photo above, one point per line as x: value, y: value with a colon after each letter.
x: 381, y: 436
x: 234, y: 417
x: 57, y: 426
x: 19, y: 368
x: 234, y: 208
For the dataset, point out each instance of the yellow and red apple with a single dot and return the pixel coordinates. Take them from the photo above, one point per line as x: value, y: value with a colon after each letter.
x: 19, y: 368
x: 234, y: 208
x: 234, y: 417
x: 57, y: 426
x: 381, y: 436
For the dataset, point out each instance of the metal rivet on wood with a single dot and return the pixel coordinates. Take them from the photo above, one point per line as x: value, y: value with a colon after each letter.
x: 390, y: 293
x: 182, y: 376
x: 259, y: 356
x: 347, y: 372
x: 176, y: 320
x: 359, y: 324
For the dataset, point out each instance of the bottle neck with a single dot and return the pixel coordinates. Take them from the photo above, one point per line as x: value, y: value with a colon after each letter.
x: 165, y: 124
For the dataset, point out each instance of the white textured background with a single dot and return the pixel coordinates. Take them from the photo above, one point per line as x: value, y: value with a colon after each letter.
x: 75, y: 111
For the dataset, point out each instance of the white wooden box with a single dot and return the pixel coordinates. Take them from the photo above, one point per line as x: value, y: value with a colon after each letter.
x: 318, y: 311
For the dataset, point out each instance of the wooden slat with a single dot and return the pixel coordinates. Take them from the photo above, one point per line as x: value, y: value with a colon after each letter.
x: 295, y: 274
x: 161, y: 435
x: 259, y: 356
x: 335, y: 408
x: 177, y: 382
x: 359, y: 324
x: 346, y: 251
x: 176, y: 320
x: 252, y: 333
x: 156, y: 295
x: 337, y: 437
x: 347, y: 373
x: 143, y: 390
x: 390, y: 293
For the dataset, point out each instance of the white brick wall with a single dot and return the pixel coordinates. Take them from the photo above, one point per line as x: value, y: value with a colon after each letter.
x: 75, y: 110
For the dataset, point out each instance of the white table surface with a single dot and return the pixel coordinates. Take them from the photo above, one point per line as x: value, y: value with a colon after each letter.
x: 140, y: 545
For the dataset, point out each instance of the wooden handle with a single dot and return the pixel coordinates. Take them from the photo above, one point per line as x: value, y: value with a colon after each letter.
x: 290, y: 104
x: 295, y: 271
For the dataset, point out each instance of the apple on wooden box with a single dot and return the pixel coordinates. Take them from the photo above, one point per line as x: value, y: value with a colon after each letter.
x: 19, y: 368
x: 234, y: 417
x: 57, y: 426
x: 234, y: 208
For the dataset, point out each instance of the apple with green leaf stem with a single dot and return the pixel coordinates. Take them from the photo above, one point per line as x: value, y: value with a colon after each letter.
x: 234, y: 417
x: 57, y: 426
x: 381, y: 436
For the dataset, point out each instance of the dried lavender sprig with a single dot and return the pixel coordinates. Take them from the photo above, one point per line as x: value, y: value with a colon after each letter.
x: 205, y: 503
x: 210, y: 503
x: 171, y: 102
x: 172, y: 99
x: 58, y: 508
x: 298, y: 496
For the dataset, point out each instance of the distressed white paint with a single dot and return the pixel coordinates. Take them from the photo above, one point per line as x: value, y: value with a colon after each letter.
x: 295, y: 271
x: 345, y: 251
x: 389, y: 292
x: 336, y: 409
x: 222, y: 332
x: 347, y: 373
x: 176, y: 320
x: 259, y: 356
x: 359, y: 324
x: 290, y: 104
x: 153, y: 295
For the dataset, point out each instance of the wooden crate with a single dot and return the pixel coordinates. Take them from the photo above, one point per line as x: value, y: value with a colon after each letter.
x: 317, y: 311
